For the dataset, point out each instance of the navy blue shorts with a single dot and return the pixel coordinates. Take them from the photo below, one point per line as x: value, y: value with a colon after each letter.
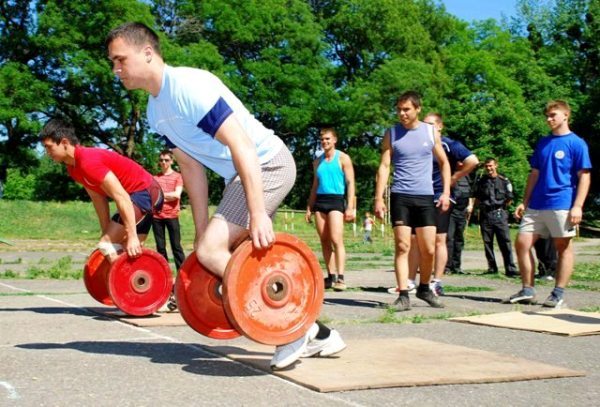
x: 145, y: 204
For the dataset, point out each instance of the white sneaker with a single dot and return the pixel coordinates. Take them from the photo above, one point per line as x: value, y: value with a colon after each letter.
x: 325, y: 347
x: 287, y: 354
x: 411, y: 288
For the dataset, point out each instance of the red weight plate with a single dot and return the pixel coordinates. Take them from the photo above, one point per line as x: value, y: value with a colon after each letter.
x: 140, y: 286
x: 199, y: 300
x: 273, y: 296
x: 95, y: 275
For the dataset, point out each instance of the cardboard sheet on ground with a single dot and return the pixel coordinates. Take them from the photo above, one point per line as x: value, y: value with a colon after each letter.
x: 162, y: 319
x: 381, y: 363
x: 559, y: 322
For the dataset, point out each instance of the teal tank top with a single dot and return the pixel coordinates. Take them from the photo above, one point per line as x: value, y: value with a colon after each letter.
x: 330, y: 175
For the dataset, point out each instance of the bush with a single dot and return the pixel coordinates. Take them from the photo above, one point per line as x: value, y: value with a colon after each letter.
x: 19, y: 186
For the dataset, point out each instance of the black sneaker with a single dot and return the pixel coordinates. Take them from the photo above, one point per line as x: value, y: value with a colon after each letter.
x: 430, y: 298
x: 328, y: 282
x: 401, y: 304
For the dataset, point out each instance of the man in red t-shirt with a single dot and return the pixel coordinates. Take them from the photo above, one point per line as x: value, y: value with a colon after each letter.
x: 171, y: 183
x: 105, y: 174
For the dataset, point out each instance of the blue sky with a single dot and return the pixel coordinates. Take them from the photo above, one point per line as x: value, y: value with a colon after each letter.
x: 470, y: 10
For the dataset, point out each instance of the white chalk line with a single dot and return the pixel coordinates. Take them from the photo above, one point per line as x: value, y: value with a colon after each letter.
x: 197, y: 348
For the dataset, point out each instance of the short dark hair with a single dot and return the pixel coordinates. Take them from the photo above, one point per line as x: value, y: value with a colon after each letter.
x: 412, y: 96
x: 56, y: 130
x: 138, y: 34
x: 166, y: 151
x: 490, y: 159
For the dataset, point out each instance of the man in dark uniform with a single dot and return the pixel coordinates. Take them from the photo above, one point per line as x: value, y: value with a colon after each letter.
x: 459, y: 215
x: 493, y: 193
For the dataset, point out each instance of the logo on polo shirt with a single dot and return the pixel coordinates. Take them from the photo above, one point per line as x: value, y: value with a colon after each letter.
x: 559, y: 154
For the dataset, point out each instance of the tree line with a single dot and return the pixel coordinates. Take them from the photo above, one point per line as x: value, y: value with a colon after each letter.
x: 299, y: 65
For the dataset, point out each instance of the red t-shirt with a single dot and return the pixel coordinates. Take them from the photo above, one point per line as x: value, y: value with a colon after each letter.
x: 92, y: 164
x: 169, y: 183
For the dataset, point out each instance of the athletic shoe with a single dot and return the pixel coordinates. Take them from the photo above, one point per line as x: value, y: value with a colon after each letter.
x: 328, y: 283
x: 437, y: 288
x: 553, y: 302
x: 396, y: 290
x: 286, y: 355
x: 324, y: 347
x: 525, y: 296
x: 169, y: 306
x: 430, y: 298
x: 339, y: 285
x: 401, y: 304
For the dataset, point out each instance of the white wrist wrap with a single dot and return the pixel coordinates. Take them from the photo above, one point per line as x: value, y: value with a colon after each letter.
x: 109, y: 249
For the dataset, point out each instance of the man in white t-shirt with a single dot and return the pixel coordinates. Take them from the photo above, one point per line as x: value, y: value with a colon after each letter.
x: 206, y: 125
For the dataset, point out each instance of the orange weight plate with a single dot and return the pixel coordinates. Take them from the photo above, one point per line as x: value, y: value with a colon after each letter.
x: 95, y: 275
x: 273, y: 296
x: 140, y: 286
x: 198, y: 293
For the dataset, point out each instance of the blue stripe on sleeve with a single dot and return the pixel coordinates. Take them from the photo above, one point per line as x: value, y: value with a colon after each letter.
x: 211, y: 122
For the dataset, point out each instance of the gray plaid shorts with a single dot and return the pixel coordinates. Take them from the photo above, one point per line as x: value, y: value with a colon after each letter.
x: 278, y: 177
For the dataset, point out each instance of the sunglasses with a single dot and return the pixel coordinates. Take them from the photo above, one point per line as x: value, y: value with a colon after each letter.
x: 164, y: 160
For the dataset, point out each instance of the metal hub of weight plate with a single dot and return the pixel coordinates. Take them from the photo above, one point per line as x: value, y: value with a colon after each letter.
x: 273, y: 296
x: 140, y: 286
x: 199, y: 298
x: 95, y: 277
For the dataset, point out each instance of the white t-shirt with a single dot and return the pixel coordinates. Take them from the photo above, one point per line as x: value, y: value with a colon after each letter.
x: 188, y: 111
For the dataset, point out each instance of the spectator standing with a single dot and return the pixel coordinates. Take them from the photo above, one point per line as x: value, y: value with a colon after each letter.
x: 332, y: 201
x: 493, y: 193
x: 368, y: 224
x: 171, y: 183
x: 459, y: 220
x: 552, y: 206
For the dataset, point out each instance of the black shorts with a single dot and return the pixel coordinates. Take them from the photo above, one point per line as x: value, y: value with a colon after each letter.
x: 326, y: 203
x: 415, y: 211
x: 145, y: 204
x: 443, y: 219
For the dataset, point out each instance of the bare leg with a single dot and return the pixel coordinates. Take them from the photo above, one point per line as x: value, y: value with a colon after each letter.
x: 426, y: 241
x: 335, y: 221
x: 402, y: 248
x: 414, y: 257
x: 217, y: 243
x: 441, y: 255
x: 321, y: 222
x: 566, y: 261
x: 523, y: 246
x: 115, y: 233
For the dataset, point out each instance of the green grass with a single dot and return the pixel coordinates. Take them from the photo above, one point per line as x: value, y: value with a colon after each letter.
x: 586, y: 272
x: 62, y: 269
x: 457, y: 289
x: 389, y: 316
x: 77, y: 222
